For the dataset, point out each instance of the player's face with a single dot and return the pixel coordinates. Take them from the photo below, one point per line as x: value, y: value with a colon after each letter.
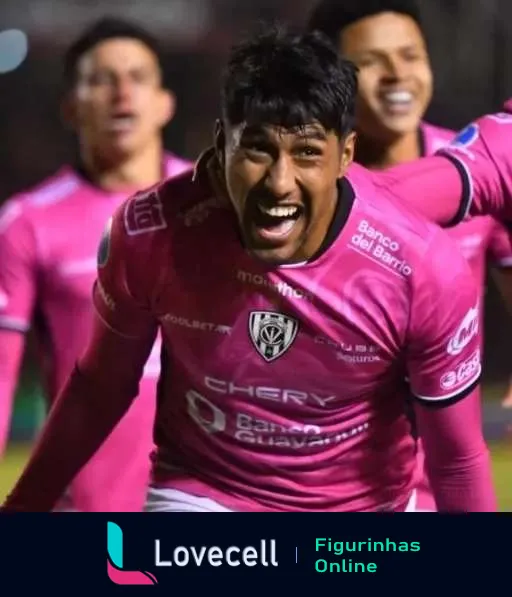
x: 395, y: 78
x: 283, y: 186
x: 118, y: 103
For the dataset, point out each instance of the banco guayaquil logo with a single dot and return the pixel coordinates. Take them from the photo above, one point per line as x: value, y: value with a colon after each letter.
x: 115, y: 561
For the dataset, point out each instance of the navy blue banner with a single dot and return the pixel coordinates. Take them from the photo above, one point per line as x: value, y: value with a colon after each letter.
x: 242, y: 553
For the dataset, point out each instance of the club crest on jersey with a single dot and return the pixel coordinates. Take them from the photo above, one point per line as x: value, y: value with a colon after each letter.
x: 272, y: 333
x: 104, y: 248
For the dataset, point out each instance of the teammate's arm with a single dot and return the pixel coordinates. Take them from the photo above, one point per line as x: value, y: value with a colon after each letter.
x: 444, y: 363
x: 435, y: 186
x: 18, y: 271
x: 500, y: 257
x: 473, y: 174
x: 103, y: 384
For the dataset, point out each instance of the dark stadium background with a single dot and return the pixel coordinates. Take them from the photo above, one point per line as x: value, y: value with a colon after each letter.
x: 471, y: 49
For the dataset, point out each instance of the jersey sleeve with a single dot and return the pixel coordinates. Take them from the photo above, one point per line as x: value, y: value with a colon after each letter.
x: 444, y: 355
x: 470, y: 175
x: 500, y: 245
x: 483, y: 153
x: 436, y: 187
x: 18, y: 267
x: 121, y: 295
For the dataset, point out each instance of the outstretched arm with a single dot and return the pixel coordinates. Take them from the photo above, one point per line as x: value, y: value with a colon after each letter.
x: 473, y: 174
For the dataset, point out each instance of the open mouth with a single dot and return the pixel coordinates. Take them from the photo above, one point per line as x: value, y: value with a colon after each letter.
x: 122, y: 122
x: 397, y: 102
x: 276, y: 222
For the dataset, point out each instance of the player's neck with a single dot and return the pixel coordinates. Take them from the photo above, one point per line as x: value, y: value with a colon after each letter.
x: 377, y: 156
x: 333, y: 223
x: 136, y: 172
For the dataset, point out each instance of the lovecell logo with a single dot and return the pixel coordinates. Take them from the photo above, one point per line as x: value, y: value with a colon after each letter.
x: 115, y: 567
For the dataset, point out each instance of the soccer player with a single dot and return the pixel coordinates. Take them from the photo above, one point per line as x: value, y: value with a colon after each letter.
x: 475, y: 179
x: 293, y: 300
x: 470, y: 175
x: 384, y: 38
x: 117, y: 105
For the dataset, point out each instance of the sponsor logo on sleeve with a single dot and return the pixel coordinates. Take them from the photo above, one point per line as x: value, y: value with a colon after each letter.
x: 144, y: 213
x: 466, y: 136
x: 466, y: 331
x: 461, y: 143
x: 463, y: 373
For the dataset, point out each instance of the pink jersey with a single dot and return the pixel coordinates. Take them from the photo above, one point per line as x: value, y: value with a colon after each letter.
x: 481, y: 239
x: 480, y: 183
x: 48, y: 243
x: 482, y: 153
x: 283, y: 388
x: 434, y: 137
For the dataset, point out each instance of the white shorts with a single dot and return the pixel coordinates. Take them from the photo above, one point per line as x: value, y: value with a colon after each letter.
x: 171, y: 500
x: 163, y: 499
x: 411, y: 504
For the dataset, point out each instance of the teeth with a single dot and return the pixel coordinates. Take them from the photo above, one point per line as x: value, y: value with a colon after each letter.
x: 279, y: 212
x: 399, y: 97
x: 122, y: 123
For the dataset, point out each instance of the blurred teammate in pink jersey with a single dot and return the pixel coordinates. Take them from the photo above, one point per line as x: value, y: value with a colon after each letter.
x: 294, y: 297
x: 384, y: 38
x: 49, y: 234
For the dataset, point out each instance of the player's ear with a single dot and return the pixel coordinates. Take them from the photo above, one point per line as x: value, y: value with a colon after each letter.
x: 219, y: 140
x: 166, y: 107
x: 347, y: 152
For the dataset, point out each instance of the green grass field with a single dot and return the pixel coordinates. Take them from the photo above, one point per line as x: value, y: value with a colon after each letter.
x: 502, y: 466
x: 501, y: 454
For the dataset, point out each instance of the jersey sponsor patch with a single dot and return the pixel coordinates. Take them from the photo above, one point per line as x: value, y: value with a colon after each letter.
x: 272, y: 333
x: 144, y: 213
x: 467, y: 329
x: 458, y: 377
x: 104, y: 248
x: 466, y: 137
